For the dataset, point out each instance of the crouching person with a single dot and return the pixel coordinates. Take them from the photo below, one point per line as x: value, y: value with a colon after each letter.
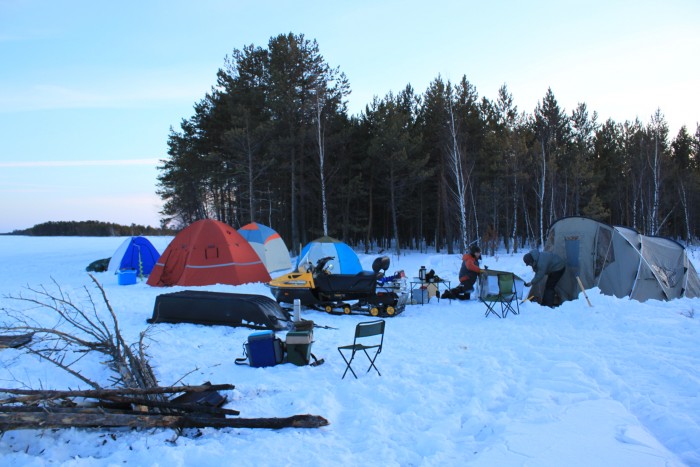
x: 468, y: 273
x: 545, y: 264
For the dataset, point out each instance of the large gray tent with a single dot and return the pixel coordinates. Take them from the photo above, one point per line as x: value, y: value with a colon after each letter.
x: 620, y: 262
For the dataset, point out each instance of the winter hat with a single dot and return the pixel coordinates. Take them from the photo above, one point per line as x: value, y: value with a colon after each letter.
x: 528, y: 259
x: 475, y: 249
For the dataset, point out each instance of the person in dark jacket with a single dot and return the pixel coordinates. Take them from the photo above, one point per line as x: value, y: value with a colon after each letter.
x: 545, y: 264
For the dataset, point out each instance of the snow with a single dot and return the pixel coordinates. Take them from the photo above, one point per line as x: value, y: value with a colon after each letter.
x: 613, y: 384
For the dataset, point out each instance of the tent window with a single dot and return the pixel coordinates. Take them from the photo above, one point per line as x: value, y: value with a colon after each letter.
x: 604, y: 253
x: 211, y: 252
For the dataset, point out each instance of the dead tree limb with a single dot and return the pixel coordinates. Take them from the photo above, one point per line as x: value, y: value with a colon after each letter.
x: 50, y: 420
x: 97, y: 393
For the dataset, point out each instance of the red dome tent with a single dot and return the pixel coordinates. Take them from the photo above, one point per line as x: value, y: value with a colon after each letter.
x: 208, y: 252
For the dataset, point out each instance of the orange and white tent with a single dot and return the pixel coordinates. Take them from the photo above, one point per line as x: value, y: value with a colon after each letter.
x: 268, y: 245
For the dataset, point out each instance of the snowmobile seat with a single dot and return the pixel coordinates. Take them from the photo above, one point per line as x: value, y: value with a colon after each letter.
x: 381, y: 264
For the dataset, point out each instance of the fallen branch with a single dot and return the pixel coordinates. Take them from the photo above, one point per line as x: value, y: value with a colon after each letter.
x: 129, y: 396
x: 45, y: 419
x: 45, y: 394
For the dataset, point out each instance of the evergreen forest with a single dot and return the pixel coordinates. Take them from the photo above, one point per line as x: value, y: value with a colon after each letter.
x: 89, y: 229
x: 273, y: 142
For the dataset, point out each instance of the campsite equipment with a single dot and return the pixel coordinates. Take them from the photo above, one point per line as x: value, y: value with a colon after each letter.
x: 298, y: 344
x: 126, y: 277
x: 208, y: 252
x: 500, y: 288
x: 305, y: 325
x: 368, y: 336
x: 619, y: 261
x: 421, y: 273
x: 134, y: 253
x: 268, y: 245
x: 343, y: 259
x: 262, y: 349
x: 315, y: 287
x: 201, y: 307
x: 297, y: 310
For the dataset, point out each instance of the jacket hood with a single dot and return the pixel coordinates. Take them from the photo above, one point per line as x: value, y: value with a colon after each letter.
x: 535, y: 255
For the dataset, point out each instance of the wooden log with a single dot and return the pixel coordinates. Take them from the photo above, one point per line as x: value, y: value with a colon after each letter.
x: 172, y: 405
x: 198, y: 410
x: 33, y: 395
x: 96, y: 393
x: 30, y: 420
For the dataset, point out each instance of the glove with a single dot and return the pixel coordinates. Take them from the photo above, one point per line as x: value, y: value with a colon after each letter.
x: 528, y: 284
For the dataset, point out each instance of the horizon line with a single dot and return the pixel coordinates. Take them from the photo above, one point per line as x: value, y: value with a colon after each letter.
x: 81, y: 163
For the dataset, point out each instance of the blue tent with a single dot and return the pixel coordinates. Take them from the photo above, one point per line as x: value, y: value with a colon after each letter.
x: 135, y: 253
x: 345, y: 259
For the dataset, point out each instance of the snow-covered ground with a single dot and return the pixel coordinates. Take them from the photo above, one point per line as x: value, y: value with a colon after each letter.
x: 615, y: 384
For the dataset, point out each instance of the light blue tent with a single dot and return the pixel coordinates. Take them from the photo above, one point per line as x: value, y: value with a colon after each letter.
x: 136, y: 254
x: 345, y: 260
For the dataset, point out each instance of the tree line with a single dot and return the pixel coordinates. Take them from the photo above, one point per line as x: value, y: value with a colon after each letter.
x: 273, y: 142
x: 90, y: 229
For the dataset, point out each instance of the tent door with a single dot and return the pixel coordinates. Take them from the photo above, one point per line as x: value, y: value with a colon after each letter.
x: 572, y: 245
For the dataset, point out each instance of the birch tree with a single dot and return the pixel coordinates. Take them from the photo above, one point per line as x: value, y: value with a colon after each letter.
x: 658, y: 131
x: 457, y: 171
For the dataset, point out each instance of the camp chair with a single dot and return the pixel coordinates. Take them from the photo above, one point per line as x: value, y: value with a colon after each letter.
x: 504, y: 294
x: 368, y: 335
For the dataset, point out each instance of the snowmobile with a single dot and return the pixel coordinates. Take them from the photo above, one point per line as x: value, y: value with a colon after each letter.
x: 367, y: 292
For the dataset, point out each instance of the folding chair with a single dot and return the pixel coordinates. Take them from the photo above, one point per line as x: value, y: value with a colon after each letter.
x: 504, y: 295
x: 368, y: 335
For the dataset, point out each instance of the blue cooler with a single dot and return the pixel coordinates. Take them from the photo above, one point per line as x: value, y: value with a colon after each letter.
x: 264, y: 349
x: 127, y: 277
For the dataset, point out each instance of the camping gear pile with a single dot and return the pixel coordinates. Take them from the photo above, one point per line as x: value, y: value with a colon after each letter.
x: 265, y: 348
x: 364, y: 292
x: 619, y: 261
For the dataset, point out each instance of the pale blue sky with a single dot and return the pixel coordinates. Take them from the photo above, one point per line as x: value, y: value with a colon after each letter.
x: 89, y: 89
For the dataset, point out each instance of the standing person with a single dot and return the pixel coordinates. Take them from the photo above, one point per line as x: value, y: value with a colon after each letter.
x: 545, y: 264
x: 468, y: 273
